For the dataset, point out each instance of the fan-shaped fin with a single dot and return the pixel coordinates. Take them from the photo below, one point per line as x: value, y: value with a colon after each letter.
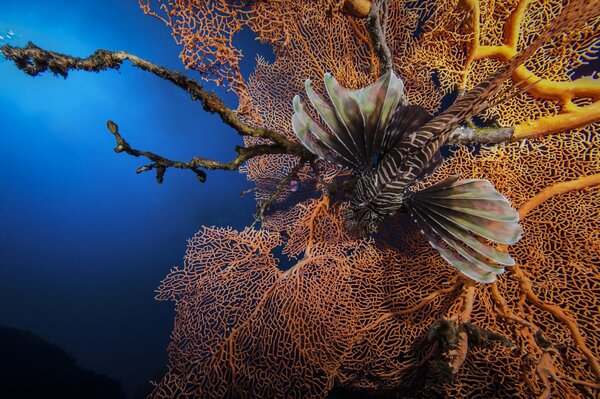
x: 468, y: 239
x: 498, y: 231
x: 349, y: 114
x: 456, y: 212
x: 465, y: 251
x: 453, y: 188
x: 357, y: 118
x: 499, y: 209
x: 465, y: 266
x: 305, y: 127
x: 501, y: 227
x: 340, y: 137
x: 377, y: 103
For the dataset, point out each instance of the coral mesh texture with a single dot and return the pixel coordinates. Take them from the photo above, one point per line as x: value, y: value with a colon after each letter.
x: 360, y: 312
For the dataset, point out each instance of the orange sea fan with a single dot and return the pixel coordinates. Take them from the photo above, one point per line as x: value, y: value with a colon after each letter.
x: 365, y: 313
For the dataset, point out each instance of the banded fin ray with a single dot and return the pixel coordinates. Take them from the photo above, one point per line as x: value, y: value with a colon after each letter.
x: 379, y: 102
x: 465, y: 266
x: 342, y: 143
x: 357, y: 119
x: 468, y: 239
x: 433, y: 165
x: 349, y: 114
x: 459, y: 222
x: 495, y: 230
x: 308, y: 130
x: 465, y: 251
x: 405, y: 120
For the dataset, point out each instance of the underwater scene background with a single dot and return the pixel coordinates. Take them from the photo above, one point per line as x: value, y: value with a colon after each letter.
x: 84, y: 241
x: 293, y: 304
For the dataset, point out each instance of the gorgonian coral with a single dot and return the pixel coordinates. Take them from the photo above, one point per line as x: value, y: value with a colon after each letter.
x: 387, y: 313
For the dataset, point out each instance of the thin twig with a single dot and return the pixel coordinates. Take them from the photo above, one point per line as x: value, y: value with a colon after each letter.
x: 278, y: 189
x: 481, y: 135
x: 161, y: 164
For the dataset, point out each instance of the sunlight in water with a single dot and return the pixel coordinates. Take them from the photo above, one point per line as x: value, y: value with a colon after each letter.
x: 6, y: 35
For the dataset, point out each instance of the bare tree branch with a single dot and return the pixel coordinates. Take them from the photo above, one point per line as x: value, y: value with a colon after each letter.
x: 34, y: 60
x: 160, y: 164
x: 376, y: 23
x: 481, y: 135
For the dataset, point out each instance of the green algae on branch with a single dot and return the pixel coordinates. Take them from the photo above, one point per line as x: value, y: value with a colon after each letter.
x: 34, y: 60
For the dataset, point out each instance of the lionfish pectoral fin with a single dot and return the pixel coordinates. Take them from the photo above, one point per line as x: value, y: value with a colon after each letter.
x: 456, y: 214
x: 312, y: 136
x: 337, y: 136
x: 348, y: 112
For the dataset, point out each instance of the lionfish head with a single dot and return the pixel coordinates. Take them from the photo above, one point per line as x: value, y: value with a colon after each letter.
x: 361, y: 221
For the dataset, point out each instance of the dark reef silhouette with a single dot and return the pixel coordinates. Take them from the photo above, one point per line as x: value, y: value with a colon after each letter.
x: 31, y: 367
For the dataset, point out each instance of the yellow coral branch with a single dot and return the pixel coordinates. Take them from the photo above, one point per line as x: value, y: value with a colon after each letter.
x: 512, y: 28
x: 544, y: 125
x: 570, y: 116
x: 473, y: 6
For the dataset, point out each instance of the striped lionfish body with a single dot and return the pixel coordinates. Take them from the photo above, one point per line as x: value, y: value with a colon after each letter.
x: 390, y: 145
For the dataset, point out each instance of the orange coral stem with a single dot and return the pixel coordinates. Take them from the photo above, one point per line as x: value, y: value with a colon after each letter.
x: 526, y: 285
x: 413, y: 309
x: 460, y: 353
x: 560, y: 314
x: 559, y: 188
x: 505, y: 311
x: 548, y: 192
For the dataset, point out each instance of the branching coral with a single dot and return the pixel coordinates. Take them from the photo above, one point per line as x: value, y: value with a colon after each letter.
x: 366, y: 314
x: 486, y: 39
x: 385, y: 314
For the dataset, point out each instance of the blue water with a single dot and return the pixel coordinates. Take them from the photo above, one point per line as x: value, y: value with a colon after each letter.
x: 84, y: 241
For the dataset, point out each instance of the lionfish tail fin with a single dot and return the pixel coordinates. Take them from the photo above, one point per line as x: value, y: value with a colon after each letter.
x: 456, y: 214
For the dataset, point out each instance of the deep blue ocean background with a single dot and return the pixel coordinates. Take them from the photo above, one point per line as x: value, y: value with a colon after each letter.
x: 84, y: 241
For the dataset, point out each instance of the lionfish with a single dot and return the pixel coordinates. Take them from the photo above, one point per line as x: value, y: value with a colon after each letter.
x: 390, y: 145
